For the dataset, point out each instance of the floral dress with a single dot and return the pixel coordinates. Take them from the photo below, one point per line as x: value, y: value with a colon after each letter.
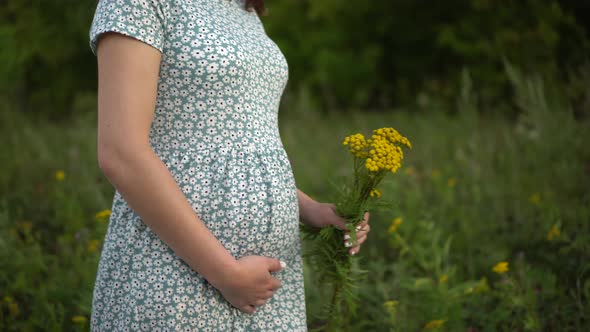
x: 215, y: 127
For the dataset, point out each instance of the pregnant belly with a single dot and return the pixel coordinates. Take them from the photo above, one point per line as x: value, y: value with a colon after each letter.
x: 247, y: 200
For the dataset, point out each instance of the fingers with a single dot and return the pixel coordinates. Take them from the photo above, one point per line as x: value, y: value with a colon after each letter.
x: 335, y: 219
x: 259, y: 302
x: 362, y: 230
x: 274, y: 264
x: 275, y: 284
x: 249, y: 309
x: 365, y: 221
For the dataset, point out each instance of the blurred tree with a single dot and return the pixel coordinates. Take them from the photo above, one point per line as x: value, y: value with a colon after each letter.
x: 346, y: 54
x: 43, y: 53
x: 374, y: 54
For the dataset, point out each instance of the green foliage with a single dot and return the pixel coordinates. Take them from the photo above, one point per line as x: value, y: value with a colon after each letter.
x: 44, y: 51
x: 476, y: 189
x: 383, y: 53
x: 49, y: 234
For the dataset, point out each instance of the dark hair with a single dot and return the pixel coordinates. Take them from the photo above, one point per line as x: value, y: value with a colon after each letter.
x: 257, y: 5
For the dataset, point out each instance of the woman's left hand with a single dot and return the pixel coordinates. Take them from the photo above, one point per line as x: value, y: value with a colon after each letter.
x: 324, y: 214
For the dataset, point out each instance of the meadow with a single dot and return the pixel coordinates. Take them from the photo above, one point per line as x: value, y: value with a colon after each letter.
x: 489, y: 229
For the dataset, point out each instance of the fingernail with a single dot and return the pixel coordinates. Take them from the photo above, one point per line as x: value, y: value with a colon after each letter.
x: 358, y: 227
x: 283, y: 264
x: 353, y: 252
x: 346, y: 236
x: 347, y: 244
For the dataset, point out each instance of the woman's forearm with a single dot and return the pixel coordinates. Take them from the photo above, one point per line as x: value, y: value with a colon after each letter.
x: 150, y: 190
x: 306, y: 205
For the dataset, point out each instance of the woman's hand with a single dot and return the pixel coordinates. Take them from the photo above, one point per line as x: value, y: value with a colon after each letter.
x: 321, y: 215
x: 252, y: 285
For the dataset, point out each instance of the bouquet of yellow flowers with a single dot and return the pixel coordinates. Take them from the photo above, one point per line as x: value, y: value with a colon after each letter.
x: 373, y: 159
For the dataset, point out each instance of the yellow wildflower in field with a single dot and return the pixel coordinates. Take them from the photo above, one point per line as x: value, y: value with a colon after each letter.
x: 501, y: 267
x: 391, y: 305
x: 535, y: 199
x: 553, y: 233
x: 435, y: 174
x: 375, y: 193
x: 60, y: 175
x: 12, y: 306
x: 434, y: 324
x: 25, y: 225
x: 442, y: 279
x: 93, y: 245
x: 103, y: 214
x: 79, y: 319
x: 394, y: 225
x: 452, y: 182
x: 14, y: 309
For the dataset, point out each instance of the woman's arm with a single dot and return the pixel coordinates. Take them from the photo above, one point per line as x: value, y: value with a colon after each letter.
x: 128, y: 73
x: 307, y: 206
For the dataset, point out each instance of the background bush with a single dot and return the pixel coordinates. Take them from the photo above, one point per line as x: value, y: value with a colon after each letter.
x: 367, y: 54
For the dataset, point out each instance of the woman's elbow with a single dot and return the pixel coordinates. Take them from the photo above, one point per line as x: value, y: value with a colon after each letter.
x: 108, y: 159
x: 115, y: 157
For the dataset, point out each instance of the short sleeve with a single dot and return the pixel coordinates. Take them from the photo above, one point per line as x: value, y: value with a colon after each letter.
x: 143, y: 20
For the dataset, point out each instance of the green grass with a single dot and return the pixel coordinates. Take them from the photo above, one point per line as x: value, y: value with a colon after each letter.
x: 475, y: 190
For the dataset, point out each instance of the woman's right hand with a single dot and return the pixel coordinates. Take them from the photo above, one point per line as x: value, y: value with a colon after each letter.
x: 253, y: 285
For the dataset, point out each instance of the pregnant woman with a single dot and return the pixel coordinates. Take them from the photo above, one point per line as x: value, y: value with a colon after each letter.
x: 204, y: 230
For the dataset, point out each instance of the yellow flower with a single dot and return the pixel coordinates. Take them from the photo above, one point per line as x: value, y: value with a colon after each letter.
x: 451, y: 182
x: 60, y: 175
x: 356, y: 145
x: 434, y: 324
x: 79, y: 319
x: 381, y: 151
x: 93, y: 245
x: 435, y: 173
x: 535, y: 199
x: 391, y: 305
x: 501, y: 267
x: 553, y: 233
x: 395, y: 224
x: 25, y: 226
x: 442, y: 279
x: 375, y: 193
x: 103, y: 214
x: 14, y: 309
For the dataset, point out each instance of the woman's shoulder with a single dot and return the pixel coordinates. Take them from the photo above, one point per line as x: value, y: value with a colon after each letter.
x: 144, y: 20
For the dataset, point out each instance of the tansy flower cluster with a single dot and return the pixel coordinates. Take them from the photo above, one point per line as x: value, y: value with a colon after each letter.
x: 381, y: 152
x: 373, y: 159
x: 357, y: 145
